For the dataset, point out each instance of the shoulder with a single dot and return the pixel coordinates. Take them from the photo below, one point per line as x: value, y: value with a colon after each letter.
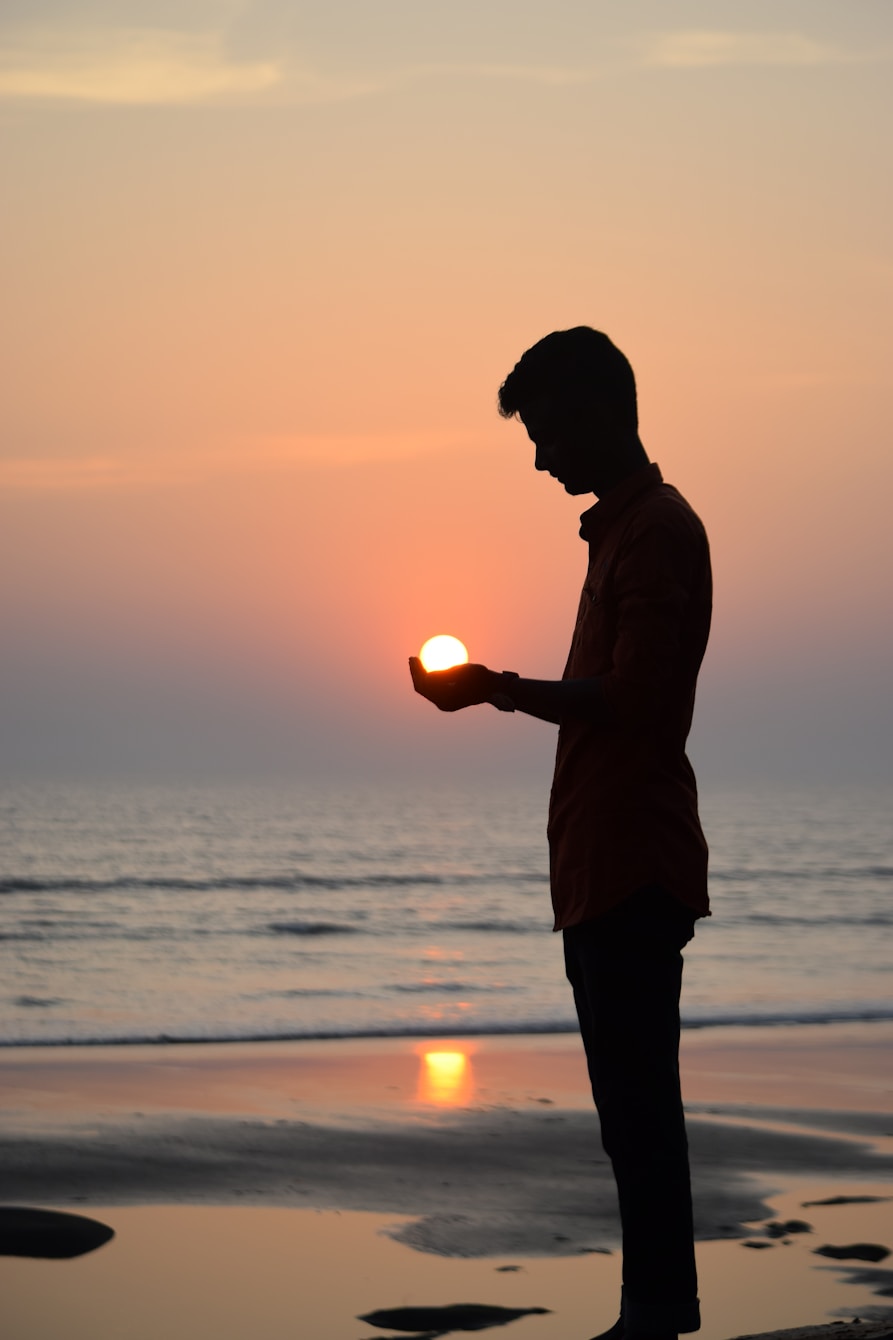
x: 664, y: 541
x: 665, y: 509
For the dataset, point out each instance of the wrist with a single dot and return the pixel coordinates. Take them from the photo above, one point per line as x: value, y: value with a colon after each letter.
x: 501, y: 690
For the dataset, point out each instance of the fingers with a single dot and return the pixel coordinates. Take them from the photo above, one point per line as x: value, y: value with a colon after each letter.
x: 438, y: 686
x: 418, y: 673
x: 452, y: 689
x: 429, y: 685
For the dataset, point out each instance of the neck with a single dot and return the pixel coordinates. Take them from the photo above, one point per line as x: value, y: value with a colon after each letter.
x: 628, y: 457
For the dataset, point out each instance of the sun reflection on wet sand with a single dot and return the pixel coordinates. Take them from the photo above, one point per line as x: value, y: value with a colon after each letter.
x: 445, y: 1078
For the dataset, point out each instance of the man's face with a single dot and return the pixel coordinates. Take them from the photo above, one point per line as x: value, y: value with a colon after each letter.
x: 565, y: 445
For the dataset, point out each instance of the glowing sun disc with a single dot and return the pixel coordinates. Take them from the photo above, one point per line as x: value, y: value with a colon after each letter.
x: 442, y: 652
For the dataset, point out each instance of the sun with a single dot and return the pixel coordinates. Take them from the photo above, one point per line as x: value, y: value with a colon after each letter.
x: 443, y: 652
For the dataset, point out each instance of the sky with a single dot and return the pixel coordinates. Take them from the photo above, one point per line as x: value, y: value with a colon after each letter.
x: 264, y: 267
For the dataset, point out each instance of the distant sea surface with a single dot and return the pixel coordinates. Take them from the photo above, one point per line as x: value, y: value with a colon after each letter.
x: 215, y: 913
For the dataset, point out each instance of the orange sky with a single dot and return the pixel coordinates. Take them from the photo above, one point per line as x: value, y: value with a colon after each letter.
x: 263, y: 272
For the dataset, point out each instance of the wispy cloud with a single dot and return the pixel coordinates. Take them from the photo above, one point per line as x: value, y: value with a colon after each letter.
x: 705, y: 47
x: 78, y: 474
x: 144, y: 65
x: 689, y: 49
x: 670, y: 50
x: 261, y: 455
x: 128, y: 66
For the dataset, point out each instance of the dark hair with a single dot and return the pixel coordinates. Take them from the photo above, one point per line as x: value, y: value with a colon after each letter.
x: 577, y: 368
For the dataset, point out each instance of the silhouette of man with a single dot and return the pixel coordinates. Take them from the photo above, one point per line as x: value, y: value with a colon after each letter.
x: 628, y: 860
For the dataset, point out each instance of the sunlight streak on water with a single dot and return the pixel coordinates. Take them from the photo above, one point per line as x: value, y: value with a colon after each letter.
x: 446, y: 1079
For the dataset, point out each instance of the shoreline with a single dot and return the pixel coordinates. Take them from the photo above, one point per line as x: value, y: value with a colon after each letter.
x: 467, y: 1138
x: 722, y: 1024
x: 433, y: 1181
x: 821, y: 1067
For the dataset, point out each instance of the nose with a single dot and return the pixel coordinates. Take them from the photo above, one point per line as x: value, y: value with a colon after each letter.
x: 543, y: 458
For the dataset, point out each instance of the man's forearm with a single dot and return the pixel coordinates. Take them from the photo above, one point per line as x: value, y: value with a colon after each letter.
x: 551, y: 699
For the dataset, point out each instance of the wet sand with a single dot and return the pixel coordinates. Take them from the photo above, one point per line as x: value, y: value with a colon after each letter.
x: 318, y: 1182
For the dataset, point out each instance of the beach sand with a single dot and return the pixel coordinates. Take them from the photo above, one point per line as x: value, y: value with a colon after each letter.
x: 289, y: 1188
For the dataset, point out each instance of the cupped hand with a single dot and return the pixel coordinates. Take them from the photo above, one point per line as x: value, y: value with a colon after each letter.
x: 451, y: 690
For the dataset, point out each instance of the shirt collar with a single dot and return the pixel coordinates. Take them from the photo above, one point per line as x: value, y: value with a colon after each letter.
x: 595, y: 521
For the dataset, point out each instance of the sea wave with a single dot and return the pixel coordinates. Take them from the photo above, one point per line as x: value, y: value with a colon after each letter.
x: 503, y: 927
x: 311, y: 928
x: 488, y: 1028
x: 454, y: 988
x: 292, y: 882
x: 819, y: 919
x: 64, y: 931
x: 805, y: 871
x: 299, y: 880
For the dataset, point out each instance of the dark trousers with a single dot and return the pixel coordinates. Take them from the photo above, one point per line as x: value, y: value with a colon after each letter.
x: 626, y: 972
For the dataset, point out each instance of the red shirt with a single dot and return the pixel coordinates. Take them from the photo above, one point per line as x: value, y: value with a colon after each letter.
x: 624, y: 806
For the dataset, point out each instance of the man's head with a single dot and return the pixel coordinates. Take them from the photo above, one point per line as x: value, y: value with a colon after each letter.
x: 575, y: 393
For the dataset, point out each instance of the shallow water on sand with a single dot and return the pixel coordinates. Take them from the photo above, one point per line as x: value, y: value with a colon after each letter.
x: 230, y: 1273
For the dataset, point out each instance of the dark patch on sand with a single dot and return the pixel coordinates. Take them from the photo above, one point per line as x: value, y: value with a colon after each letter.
x: 846, y: 1200
x: 832, y: 1330
x: 856, y: 1251
x: 49, y: 1234
x: 878, y: 1281
x: 499, y: 1182
x: 438, y: 1321
x: 787, y: 1227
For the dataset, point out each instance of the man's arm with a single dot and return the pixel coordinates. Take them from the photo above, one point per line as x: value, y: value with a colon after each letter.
x: 552, y: 699
x: 548, y: 699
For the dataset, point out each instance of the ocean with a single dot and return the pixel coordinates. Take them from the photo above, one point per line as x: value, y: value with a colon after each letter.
x: 143, y: 913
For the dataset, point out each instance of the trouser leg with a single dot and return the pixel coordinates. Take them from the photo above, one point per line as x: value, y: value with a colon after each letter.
x: 626, y: 973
